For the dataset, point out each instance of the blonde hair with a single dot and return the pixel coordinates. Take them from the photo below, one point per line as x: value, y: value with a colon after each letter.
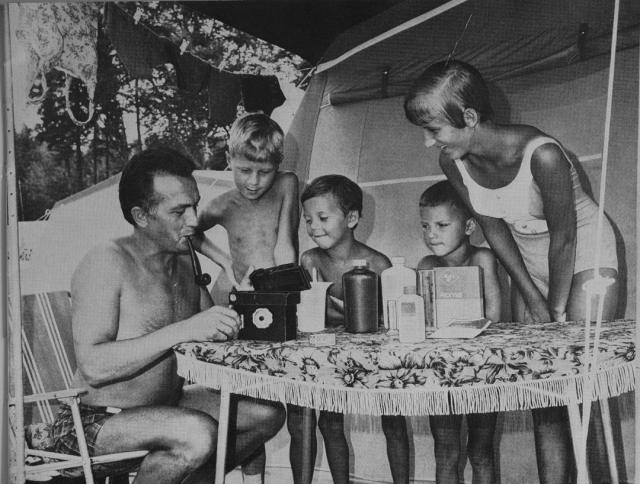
x: 444, y: 90
x: 256, y: 137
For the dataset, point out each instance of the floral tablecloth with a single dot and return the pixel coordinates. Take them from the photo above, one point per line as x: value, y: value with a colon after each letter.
x: 511, y: 366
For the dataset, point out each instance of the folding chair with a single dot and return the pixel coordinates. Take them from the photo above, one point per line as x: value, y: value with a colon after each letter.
x: 47, y: 366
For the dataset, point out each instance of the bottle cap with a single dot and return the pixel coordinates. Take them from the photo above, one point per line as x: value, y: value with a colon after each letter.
x: 359, y: 262
x: 409, y: 289
x: 397, y: 260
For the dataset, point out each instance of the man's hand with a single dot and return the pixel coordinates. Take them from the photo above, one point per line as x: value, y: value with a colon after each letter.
x: 217, y: 323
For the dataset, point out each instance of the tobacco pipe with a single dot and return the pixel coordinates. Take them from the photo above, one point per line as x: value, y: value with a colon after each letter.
x: 200, y: 278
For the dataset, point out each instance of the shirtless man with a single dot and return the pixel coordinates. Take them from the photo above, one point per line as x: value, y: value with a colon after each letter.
x: 261, y: 214
x: 133, y: 299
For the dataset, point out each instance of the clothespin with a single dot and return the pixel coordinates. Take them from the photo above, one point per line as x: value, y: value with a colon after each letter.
x: 137, y: 15
x: 183, y: 46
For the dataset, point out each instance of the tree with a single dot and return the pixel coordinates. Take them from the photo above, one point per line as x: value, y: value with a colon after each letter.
x: 166, y: 115
x: 173, y: 117
x: 41, y: 179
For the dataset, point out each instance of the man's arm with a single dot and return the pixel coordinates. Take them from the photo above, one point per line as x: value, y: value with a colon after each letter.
x: 96, y: 311
x: 285, y: 250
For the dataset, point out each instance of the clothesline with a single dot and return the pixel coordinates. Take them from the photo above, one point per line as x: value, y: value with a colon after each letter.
x: 141, y: 49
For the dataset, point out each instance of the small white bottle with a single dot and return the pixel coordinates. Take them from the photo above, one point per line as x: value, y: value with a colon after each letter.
x: 392, y: 280
x: 411, y: 322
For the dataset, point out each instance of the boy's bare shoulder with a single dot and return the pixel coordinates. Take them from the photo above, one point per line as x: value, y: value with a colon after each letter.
x: 286, y: 181
x: 428, y: 262
x: 311, y: 255
x: 377, y: 260
x: 213, y: 209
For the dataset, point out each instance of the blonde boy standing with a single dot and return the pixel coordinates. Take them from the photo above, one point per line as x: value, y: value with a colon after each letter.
x: 261, y: 214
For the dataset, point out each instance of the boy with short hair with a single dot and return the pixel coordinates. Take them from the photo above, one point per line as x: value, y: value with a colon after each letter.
x: 332, y: 207
x: 261, y: 216
x: 447, y: 225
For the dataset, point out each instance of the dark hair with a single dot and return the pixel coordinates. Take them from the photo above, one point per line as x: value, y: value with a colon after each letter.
x: 442, y: 193
x: 444, y: 90
x: 136, y: 181
x: 347, y: 192
x: 256, y: 137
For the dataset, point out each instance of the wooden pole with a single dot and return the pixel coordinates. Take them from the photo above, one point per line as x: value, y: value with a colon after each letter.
x: 636, y: 478
x: 4, y: 358
x: 13, y: 306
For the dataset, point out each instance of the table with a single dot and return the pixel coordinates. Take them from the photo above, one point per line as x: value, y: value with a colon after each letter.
x: 511, y: 366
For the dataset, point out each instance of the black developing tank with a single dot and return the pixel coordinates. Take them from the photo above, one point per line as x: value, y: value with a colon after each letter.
x: 360, y: 298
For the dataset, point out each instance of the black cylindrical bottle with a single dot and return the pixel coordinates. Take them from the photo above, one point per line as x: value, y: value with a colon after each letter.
x: 360, y: 298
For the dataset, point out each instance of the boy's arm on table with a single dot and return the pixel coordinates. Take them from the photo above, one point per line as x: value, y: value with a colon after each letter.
x: 551, y: 172
x: 206, y: 247
x: 501, y: 241
x: 285, y: 250
x: 96, y: 294
x: 492, y: 295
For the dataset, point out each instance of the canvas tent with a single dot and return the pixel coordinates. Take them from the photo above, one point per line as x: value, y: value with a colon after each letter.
x: 547, y: 62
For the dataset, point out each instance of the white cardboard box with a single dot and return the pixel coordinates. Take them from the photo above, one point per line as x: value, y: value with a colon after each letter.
x: 458, y: 294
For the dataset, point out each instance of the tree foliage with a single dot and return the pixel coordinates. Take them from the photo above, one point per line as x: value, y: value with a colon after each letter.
x: 58, y: 157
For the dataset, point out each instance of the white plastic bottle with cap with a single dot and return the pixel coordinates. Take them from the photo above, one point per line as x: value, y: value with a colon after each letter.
x: 411, y: 324
x: 392, y: 280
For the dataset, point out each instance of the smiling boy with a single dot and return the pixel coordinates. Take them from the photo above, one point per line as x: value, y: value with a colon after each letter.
x: 332, y: 206
x: 261, y: 213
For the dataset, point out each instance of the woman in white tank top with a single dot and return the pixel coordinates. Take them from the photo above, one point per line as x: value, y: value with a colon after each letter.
x: 526, y: 196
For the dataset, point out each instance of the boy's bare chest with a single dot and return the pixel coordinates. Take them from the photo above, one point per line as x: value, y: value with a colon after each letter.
x: 244, y: 217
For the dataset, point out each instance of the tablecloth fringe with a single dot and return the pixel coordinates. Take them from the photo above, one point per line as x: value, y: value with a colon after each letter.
x: 607, y: 382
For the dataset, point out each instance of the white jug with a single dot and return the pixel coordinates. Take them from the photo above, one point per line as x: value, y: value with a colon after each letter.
x: 311, y: 310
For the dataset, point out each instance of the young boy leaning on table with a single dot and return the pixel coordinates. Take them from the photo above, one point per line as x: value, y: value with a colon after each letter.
x: 446, y: 227
x: 261, y: 216
x: 332, y: 207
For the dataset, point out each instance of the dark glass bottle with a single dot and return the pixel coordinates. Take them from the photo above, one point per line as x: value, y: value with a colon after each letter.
x: 360, y: 298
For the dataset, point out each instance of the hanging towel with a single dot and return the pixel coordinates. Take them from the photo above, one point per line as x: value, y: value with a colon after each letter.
x: 139, y: 49
x: 192, y: 73
x: 261, y: 93
x: 60, y: 36
x: 224, y: 96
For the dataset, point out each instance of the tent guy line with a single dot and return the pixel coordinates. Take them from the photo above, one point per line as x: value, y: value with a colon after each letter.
x: 390, y: 33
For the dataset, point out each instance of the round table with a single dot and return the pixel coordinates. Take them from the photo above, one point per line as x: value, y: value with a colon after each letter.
x: 510, y: 366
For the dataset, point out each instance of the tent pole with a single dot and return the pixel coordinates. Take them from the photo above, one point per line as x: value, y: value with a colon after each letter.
x: 14, y: 310
x: 636, y: 477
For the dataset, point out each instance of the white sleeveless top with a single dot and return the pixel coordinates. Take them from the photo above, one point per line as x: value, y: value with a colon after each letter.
x: 519, y: 203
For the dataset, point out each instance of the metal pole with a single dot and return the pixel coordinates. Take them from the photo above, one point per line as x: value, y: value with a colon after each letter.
x: 13, y: 307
